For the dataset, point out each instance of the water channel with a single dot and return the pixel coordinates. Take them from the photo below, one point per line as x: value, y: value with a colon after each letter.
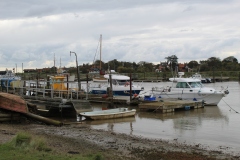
x: 213, y: 127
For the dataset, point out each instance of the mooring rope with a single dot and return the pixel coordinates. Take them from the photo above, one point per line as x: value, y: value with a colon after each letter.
x: 231, y: 107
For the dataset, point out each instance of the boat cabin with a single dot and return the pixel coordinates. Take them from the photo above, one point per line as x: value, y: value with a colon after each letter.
x: 188, y: 83
x: 58, y: 83
x: 119, y: 79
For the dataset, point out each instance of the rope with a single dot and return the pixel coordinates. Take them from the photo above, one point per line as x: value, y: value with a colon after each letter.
x: 158, y: 107
x: 230, y: 107
x: 96, y: 54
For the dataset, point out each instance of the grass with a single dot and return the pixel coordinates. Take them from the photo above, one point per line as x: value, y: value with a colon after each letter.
x: 28, y: 147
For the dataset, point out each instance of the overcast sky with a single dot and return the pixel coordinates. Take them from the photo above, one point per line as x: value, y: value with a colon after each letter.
x: 32, y: 31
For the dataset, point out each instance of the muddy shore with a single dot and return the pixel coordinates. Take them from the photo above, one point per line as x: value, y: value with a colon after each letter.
x: 80, y: 138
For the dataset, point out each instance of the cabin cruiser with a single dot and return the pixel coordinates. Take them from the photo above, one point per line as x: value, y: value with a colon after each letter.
x: 9, y: 79
x: 120, y: 86
x: 203, y: 79
x: 190, y: 89
x: 9, y: 74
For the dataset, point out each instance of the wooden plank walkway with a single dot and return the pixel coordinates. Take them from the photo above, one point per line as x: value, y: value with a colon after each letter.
x: 170, y: 105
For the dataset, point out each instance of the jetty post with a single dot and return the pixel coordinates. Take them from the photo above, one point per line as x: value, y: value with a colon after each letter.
x: 110, y: 92
x: 130, y: 87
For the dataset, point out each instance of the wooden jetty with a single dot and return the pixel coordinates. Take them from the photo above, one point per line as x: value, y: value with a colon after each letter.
x: 59, y: 104
x: 170, y: 105
x: 99, y: 99
x: 9, y: 116
x: 220, y: 79
x: 15, y: 104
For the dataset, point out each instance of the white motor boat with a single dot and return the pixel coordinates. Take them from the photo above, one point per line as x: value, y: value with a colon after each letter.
x: 190, y: 89
x: 109, y: 114
x: 203, y: 79
x: 120, y: 86
x: 8, y: 74
x: 9, y: 79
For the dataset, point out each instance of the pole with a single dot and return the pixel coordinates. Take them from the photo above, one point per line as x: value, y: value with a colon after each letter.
x: 78, y: 76
x: 130, y: 87
x: 100, y: 53
x: 87, y: 89
x: 111, y: 90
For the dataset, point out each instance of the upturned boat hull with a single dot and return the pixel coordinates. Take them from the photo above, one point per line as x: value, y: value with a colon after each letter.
x: 13, y: 103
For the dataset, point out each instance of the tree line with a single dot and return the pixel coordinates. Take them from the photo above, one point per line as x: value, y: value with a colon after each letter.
x: 213, y: 63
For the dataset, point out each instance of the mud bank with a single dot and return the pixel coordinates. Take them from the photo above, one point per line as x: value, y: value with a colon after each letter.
x: 82, y: 139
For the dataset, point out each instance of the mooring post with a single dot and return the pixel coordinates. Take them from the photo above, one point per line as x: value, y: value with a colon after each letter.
x: 130, y: 87
x: 87, y: 88
x: 111, y: 90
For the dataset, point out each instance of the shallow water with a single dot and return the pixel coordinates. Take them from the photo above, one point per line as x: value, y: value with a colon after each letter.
x: 214, y: 127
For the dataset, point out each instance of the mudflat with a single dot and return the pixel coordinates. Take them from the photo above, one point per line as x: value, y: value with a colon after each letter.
x: 80, y: 138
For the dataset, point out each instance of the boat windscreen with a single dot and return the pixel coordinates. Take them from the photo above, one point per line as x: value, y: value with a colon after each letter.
x: 122, y: 82
x: 195, y: 84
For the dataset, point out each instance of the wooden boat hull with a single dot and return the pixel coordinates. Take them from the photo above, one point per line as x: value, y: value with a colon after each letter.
x: 13, y: 103
x: 99, y: 79
x: 109, y: 114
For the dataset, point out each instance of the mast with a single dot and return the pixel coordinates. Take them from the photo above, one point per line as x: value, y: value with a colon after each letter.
x: 100, y: 52
x: 54, y: 60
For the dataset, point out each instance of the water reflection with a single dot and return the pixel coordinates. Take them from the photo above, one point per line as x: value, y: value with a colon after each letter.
x: 188, y: 120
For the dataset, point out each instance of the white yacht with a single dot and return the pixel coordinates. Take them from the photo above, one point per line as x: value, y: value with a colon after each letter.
x: 203, y: 79
x: 120, y: 86
x: 9, y: 79
x: 190, y: 89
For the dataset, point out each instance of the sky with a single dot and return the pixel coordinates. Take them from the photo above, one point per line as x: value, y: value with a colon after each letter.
x: 34, y: 33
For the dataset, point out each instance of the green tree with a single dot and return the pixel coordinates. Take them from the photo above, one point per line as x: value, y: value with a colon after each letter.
x: 231, y: 59
x: 230, y: 64
x: 172, y: 62
x: 122, y: 69
x: 214, y: 63
x: 193, y: 65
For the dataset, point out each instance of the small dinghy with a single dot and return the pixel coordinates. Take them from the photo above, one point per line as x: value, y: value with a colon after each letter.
x: 109, y: 114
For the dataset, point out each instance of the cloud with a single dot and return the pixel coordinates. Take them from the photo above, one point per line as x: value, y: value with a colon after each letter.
x: 138, y: 30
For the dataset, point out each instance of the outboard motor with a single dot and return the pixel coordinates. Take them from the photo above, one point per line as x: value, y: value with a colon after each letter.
x: 226, y: 92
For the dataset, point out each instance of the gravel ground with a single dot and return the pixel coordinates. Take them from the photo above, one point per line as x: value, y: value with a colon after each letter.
x: 80, y: 138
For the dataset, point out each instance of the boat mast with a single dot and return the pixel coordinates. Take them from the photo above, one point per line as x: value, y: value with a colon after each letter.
x: 100, y: 52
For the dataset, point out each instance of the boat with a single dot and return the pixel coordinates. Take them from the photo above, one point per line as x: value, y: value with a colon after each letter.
x: 203, y: 79
x: 97, y: 73
x: 62, y: 81
x: 120, y: 86
x: 9, y: 74
x: 190, y: 89
x: 99, y: 79
x: 13, y: 103
x: 109, y: 114
x: 130, y: 119
x: 8, y: 79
